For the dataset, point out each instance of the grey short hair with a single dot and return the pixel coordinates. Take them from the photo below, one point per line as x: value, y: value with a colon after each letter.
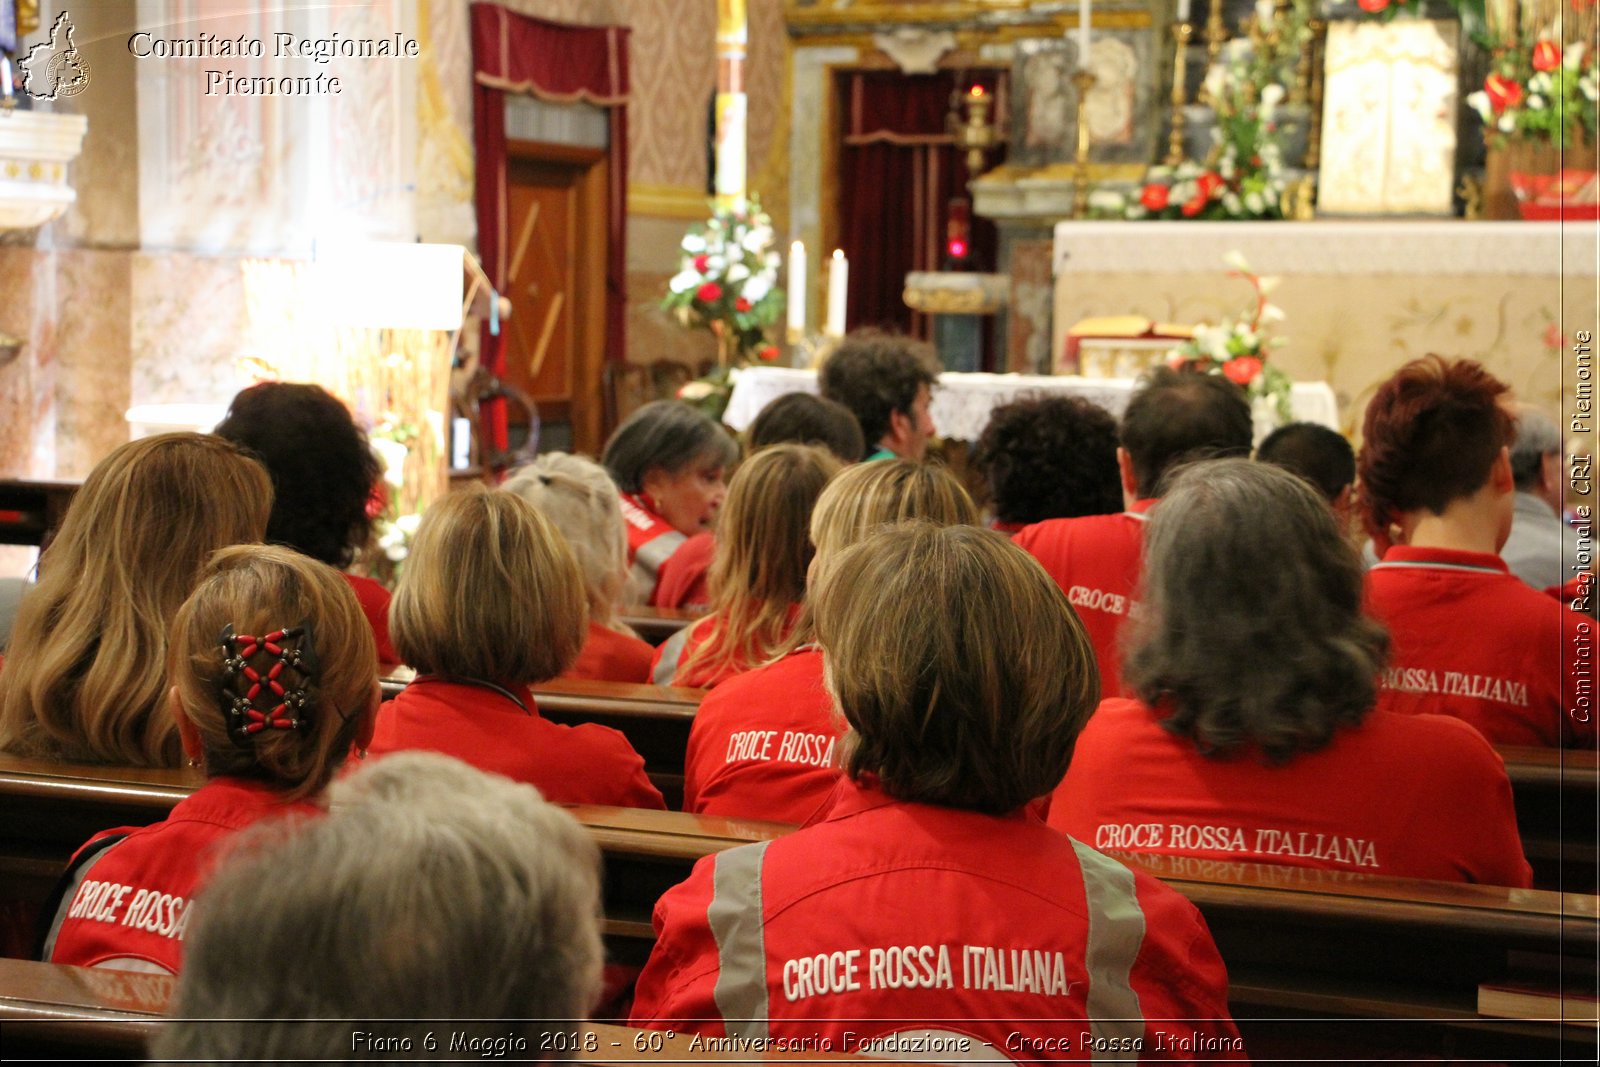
x: 1537, y: 437
x: 665, y: 434
x: 431, y: 891
x: 1251, y: 628
x: 577, y: 495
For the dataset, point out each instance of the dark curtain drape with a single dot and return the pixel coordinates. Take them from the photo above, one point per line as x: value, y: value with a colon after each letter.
x: 513, y: 53
x: 898, y: 170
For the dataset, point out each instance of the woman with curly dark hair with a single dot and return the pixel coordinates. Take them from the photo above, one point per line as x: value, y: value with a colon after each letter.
x: 1049, y: 457
x: 1259, y: 734
x: 323, y: 473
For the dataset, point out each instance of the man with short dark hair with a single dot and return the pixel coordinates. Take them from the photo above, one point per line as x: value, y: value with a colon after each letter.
x: 1317, y: 455
x: 1173, y: 418
x: 886, y: 380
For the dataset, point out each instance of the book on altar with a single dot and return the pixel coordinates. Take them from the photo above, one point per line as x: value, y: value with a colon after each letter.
x: 1118, y: 346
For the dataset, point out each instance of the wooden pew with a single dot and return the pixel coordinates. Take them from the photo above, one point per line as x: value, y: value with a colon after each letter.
x: 49, y: 1011
x: 1557, y: 793
x: 655, y: 625
x: 1299, y: 944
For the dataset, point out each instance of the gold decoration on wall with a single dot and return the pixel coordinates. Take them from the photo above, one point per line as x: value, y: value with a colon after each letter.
x: 27, y: 17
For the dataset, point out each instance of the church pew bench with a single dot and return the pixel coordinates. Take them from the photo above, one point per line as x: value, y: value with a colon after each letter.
x: 50, y: 1011
x: 1299, y: 944
x: 1557, y: 794
x: 655, y: 625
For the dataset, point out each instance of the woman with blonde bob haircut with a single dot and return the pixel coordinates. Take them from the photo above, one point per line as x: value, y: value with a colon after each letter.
x: 83, y: 677
x: 965, y: 676
x: 758, y: 575
x: 271, y: 665
x: 580, y: 500
x: 490, y: 603
x: 764, y: 745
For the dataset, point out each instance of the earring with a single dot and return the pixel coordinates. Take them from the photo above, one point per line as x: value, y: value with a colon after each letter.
x: 193, y: 762
x: 361, y: 753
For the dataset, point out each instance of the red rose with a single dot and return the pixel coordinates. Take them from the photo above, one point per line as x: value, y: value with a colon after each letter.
x: 1155, y: 196
x: 741, y: 304
x: 1208, y: 183
x: 1242, y: 370
x: 1546, y: 55
x: 701, y: 262
x: 768, y: 353
x: 1372, y: 7
x: 1193, y: 207
x: 1502, y: 92
x: 709, y: 293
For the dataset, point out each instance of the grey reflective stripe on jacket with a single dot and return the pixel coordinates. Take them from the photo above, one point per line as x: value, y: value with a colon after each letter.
x: 737, y: 924
x: 651, y: 555
x: 1116, y: 932
x: 671, y: 656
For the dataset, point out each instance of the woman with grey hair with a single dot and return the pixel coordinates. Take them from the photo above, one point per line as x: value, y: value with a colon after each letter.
x: 580, y: 499
x: 431, y: 891
x: 670, y: 462
x: 1258, y: 733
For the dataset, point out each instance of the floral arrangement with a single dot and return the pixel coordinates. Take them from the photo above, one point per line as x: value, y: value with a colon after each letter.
x: 1244, y: 176
x: 1238, y: 348
x: 727, y: 283
x: 392, y: 440
x: 1539, y: 90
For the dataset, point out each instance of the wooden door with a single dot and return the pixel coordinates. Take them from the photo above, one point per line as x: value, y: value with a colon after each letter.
x: 556, y: 264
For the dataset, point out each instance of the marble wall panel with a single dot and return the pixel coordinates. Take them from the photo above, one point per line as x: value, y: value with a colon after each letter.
x: 187, y: 329
x: 27, y: 410
x: 91, y: 392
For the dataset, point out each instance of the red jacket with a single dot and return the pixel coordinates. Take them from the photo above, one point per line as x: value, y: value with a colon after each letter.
x: 500, y: 730
x: 374, y: 600
x: 684, y: 574
x: 610, y: 656
x: 1404, y: 795
x: 676, y: 650
x: 1471, y: 640
x: 127, y: 906
x: 1095, y: 560
x: 941, y: 926
x: 764, y: 744
x: 651, y: 541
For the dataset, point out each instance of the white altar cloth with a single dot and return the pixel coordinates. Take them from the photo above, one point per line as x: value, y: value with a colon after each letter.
x: 962, y: 403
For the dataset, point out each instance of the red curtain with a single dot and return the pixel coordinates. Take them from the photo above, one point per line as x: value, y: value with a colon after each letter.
x: 514, y: 53
x: 898, y: 170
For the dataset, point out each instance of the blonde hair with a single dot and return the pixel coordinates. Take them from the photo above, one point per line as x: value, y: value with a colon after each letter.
x: 84, y: 674
x: 258, y: 589
x: 964, y: 673
x: 580, y: 499
x: 490, y: 591
x: 758, y: 574
x: 879, y: 493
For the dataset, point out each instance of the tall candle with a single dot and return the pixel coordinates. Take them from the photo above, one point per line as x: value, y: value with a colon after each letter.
x: 1083, y: 33
x: 838, y: 286
x: 1183, y: 10
x: 5, y: 76
x: 797, y: 288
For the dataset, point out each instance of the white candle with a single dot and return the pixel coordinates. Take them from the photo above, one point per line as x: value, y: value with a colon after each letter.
x: 838, y: 286
x: 5, y: 76
x: 797, y: 288
x: 1183, y: 10
x: 1083, y: 34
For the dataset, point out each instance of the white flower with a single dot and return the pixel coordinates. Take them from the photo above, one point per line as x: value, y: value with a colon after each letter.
x: 1253, y: 203
x: 1539, y: 83
x: 1272, y: 95
x: 1272, y: 313
x: 770, y: 261
x: 1236, y: 260
x: 1183, y: 192
x: 1572, y: 58
x: 1535, y: 102
x: 1267, y: 283
x: 393, y: 455
x: 694, y: 244
x: 757, y: 287
x: 1212, y: 341
x: 1590, y: 86
x: 1105, y: 200
x: 1507, y: 123
x: 1136, y: 211
x: 1226, y: 167
x: 407, y: 524
x: 757, y: 238
x: 696, y: 390
x: 715, y: 265
x: 738, y: 273
x: 683, y: 281
x: 1231, y: 203
x: 1479, y: 102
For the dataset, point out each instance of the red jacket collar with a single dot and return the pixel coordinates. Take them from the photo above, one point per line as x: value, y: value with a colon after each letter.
x: 1448, y: 557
